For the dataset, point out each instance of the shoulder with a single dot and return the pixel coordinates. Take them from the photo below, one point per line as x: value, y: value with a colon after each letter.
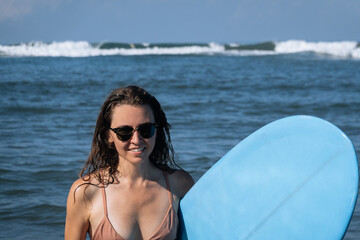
x: 79, y: 207
x: 82, y: 193
x: 87, y: 186
x: 91, y: 183
x: 77, y: 196
x: 181, y: 182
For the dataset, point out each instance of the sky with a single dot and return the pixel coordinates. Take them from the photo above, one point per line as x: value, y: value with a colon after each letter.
x: 178, y: 21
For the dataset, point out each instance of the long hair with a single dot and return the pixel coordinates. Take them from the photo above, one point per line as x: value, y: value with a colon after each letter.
x: 103, y: 154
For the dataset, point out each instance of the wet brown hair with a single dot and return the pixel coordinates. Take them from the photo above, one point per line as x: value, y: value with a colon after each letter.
x: 103, y: 155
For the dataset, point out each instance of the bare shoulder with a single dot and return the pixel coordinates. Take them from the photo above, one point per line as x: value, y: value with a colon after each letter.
x: 78, y: 208
x: 80, y: 197
x: 83, y: 190
x: 181, y: 182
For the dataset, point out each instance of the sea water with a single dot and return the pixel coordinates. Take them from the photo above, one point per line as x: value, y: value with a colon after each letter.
x: 214, y: 96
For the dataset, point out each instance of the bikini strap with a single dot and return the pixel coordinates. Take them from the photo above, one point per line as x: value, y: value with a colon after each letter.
x: 103, y: 193
x: 168, y: 187
x: 104, y: 200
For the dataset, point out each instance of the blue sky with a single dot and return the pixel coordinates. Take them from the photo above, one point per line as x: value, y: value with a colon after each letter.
x: 179, y: 21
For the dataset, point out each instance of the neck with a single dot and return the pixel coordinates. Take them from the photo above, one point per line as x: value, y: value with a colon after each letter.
x: 135, y: 173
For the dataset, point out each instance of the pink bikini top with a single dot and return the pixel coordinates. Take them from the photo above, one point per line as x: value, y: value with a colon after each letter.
x: 166, y: 231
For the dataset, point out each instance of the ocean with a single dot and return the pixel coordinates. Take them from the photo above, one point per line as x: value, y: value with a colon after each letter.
x: 214, y: 96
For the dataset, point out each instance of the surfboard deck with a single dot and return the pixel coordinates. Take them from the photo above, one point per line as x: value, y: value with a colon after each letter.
x: 295, y: 178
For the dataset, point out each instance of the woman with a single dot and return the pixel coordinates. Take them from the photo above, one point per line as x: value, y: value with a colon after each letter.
x: 129, y: 187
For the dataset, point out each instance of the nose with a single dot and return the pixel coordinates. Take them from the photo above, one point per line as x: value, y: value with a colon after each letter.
x: 135, y: 138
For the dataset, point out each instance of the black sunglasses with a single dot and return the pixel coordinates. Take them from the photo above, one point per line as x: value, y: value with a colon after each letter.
x: 146, y: 130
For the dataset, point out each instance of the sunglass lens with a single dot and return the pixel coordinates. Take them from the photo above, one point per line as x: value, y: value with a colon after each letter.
x: 124, y: 133
x: 124, y: 137
x: 147, y: 130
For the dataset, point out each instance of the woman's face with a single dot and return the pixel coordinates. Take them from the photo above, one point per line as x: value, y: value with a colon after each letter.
x: 137, y: 149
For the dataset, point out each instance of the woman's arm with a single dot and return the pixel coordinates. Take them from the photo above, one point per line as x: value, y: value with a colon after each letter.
x: 77, y: 212
x: 182, y: 181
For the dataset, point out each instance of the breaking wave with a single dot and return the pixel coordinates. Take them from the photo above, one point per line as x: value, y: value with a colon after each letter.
x: 343, y: 49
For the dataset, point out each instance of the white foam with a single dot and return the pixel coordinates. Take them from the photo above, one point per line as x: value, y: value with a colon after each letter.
x: 55, y: 49
x: 249, y: 53
x: 84, y: 49
x: 339, y: 49
x: 211, y: 49
x: 356, y: 53
x: 345, y: 49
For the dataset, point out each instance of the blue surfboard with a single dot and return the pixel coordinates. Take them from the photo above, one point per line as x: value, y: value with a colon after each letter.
x: 295, y: 178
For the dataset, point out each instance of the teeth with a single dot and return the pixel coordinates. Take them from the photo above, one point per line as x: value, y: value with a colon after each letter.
x: 137, y: 150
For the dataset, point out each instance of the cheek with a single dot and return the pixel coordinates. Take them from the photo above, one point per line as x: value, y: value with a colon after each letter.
x: 152, y: 142
x: 120, y: 148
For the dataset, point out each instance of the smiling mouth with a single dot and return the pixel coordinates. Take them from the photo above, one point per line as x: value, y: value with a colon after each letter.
x: 137, y: 149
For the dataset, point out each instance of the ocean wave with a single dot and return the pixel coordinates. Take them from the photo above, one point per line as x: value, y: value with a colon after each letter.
x: 343, y: 49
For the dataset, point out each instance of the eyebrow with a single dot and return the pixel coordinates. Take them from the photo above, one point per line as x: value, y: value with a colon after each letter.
x: 125, y: 126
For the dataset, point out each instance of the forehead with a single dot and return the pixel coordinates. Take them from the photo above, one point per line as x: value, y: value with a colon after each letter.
x: 131, y: 115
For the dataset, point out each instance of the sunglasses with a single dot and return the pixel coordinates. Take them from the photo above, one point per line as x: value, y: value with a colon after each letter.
x: 146, y: 130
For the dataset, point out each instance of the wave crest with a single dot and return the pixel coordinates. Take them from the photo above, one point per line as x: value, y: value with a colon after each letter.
x: 344, y: 49
x: 339, y: 49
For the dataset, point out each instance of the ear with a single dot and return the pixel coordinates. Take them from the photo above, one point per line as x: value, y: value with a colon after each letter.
x: 110, y: 138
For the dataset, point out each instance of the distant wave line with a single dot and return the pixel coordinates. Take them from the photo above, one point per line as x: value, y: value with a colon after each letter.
x: 345, y: 49
x: 266, y: 46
